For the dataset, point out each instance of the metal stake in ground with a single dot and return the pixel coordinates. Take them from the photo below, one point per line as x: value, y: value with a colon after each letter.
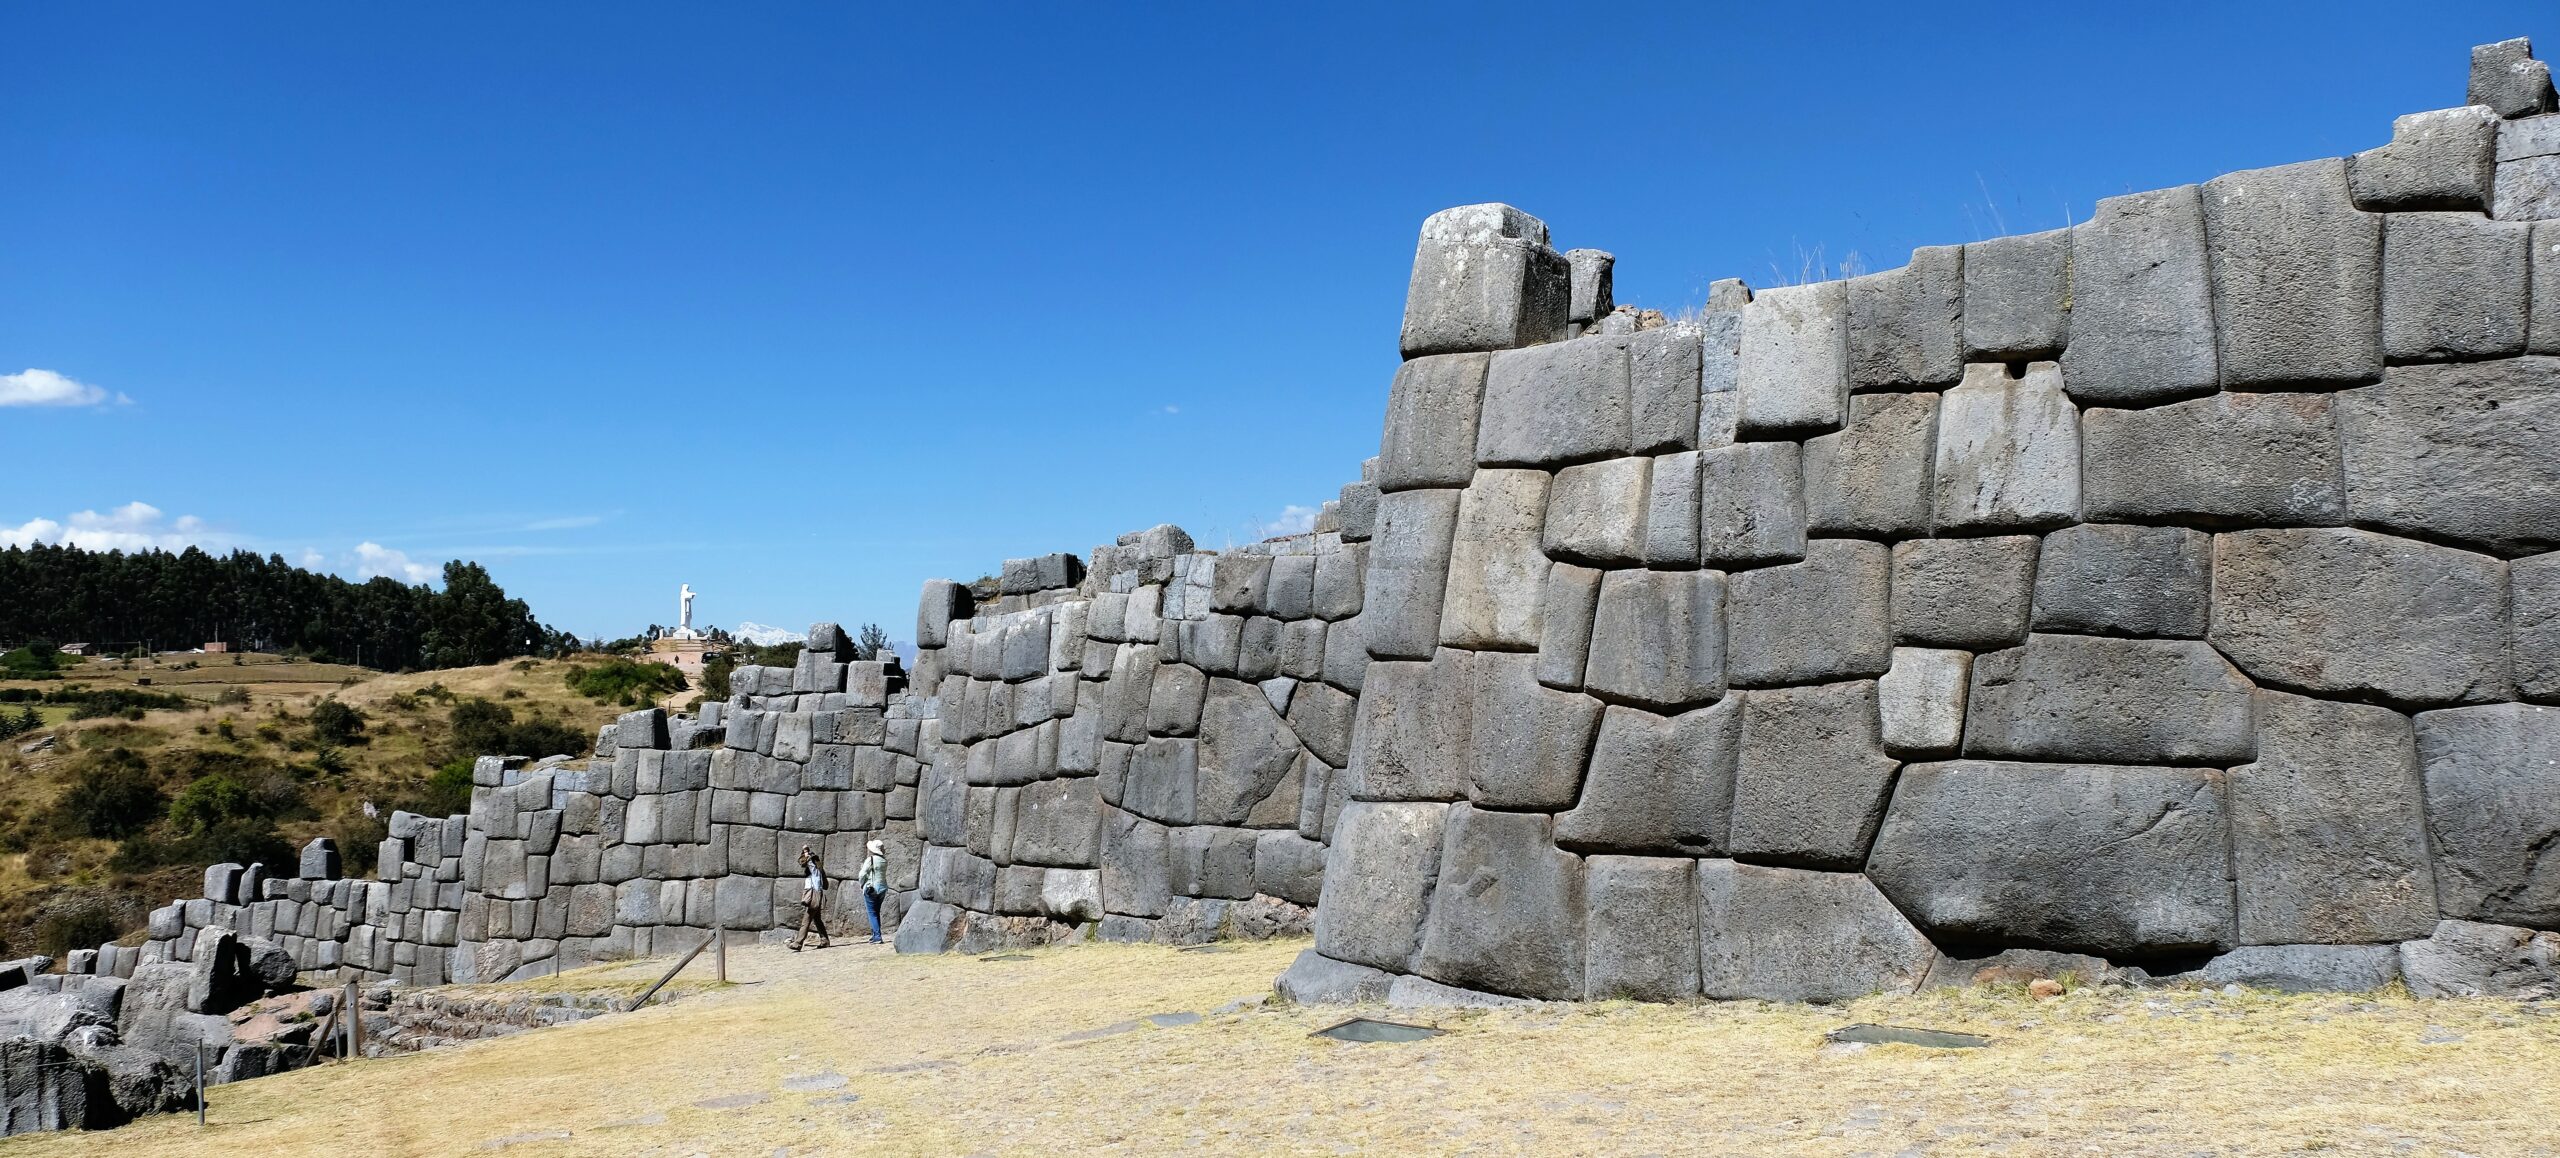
x: 678, y: 967
x: 199, y: 1084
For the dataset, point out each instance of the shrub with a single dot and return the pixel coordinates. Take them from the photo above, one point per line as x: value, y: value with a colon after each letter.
x: 715, y: 675
x: 624, y: 681
x: 75, y: 920
x: 484, y: 728
x: 446, y: 792
x: 230, y: 795
x: 337, y: 724
x: 113, y: 795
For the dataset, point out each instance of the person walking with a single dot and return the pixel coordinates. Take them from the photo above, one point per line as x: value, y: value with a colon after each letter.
x: 875, y: 884
x: 813, y: 898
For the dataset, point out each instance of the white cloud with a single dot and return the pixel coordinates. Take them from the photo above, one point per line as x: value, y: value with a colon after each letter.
x: 134, y: 526
x: 33, y: 387
x: 1293, y: 520
x: 567, y: 523
x: 311, y: 560
x: 763, y: 636
x: 374, y: 560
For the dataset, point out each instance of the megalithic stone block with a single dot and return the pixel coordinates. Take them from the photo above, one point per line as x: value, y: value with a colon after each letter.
x: 1374, y: 903
x: 1905, y: 325
x: 2493, y: 803
x: 1664, y: 373
x: 1573, y: 595
x: 2117, y: 701
x: 1819, y: 620
x: 2141, y: 319
x: 1968, y: 593
x: 1411, y: 738
x: 1795, y: 360
x: 2230, y: 459
x: 1497, y: 573
x: 1408, y: 573
x: 1871, y: 477
x: 1720, y: 363
x: 2008, y: 454
x: 1553, y: 404
x: 1671, y: 511
x: 1592, y: 297
x: 2121, y: 579
x: 2453, y: 287
x: 2112, y: 860
x: 2015, y: 290
x: 1246, y: 751
x: 1920, y: 701
x: 1596, y: 511
x: 1658, y: 786
x: 1508, y: 917
x: 2446, y: 159
x: 1484, y: 278
x: 2536, y: 615
x: 1432, y: 408
x: 1750, y: 504
x: 1658, y: 638
x: 2506, y: 77
x: 2357, y: 614
x: 2296, y: 276
x: 1640, y: 916
x: 1527, y: 742
x: 2467, y: 454
x: 1811, y: 781
x: 2328, y: 829
x: 1781, y: 934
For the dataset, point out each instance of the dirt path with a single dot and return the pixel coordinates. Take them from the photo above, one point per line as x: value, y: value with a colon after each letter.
x: 854, y: 1050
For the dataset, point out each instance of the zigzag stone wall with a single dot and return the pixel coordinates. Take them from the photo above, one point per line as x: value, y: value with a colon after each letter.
x: 2176, y: 590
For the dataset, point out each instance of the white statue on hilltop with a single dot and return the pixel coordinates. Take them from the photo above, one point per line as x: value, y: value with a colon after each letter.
x: 684, y: 611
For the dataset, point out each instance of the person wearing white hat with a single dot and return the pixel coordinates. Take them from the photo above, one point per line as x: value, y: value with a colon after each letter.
x: 875, y: 884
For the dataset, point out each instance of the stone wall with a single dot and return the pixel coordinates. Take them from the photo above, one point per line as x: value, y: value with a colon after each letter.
x: 2176, y: 588
x: 2173, y: 591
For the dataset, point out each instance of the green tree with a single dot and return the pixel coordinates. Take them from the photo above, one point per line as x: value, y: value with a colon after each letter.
x: 872, y: 643
x: 113, y: 795
x: 336, y: 724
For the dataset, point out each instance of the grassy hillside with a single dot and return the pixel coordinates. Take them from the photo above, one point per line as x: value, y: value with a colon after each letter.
x: 247, y: 758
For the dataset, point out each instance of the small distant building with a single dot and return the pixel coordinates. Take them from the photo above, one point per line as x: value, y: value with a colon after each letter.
x: 73, y: 649
x: 217, y: 647
x: 685, y: 655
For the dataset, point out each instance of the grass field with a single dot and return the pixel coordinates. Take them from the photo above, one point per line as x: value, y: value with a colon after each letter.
x: 854, y: 1050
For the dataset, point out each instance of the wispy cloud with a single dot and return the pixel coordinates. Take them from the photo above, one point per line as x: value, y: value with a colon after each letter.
x: 565, y: 523
x: 134, y: 526
x: 1293, y: 520
x: 33, y: 387
x: 373, y: 560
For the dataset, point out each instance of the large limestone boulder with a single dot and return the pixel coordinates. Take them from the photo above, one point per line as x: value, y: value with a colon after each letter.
x: 1658, y: 785
x: 2328, y: 836
x: 1507, y: 915
x: 2113, y: 860
x: 1378, y: 882
x: 1812, y: 777
x: 2121, y: 701
x: 2466, y: 453
x: 1484, y: 278
x: 2475, y: 959
x: 2493, y: 805
x: 1779, y: 934
x: 1640, y: 918
x: 2361, y: 615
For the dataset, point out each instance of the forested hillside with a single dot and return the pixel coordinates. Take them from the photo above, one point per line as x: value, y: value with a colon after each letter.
x: 261, y: 603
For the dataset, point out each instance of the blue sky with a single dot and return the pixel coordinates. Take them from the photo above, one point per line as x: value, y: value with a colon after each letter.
x: 803, y: 304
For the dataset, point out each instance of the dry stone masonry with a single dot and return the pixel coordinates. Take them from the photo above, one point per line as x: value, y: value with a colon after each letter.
x: 2175, y: 593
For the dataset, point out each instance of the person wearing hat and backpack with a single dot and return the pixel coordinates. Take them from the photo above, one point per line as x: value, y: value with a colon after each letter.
x: 813, y: 898
x: 874, y: 876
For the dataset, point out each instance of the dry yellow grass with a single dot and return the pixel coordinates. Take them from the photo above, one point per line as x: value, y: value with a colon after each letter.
x: 952, y: 1055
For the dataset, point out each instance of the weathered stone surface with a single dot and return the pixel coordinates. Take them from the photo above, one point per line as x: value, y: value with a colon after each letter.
x: 1967, y: 593
x: 2227, y: 460
x: 2305, y: 968
x: 320, y: 860
x: 1822, y: 619
x: 646, y: 728
x: 942, y: 602
x: 2117, y: 701
x: 1872, y: 476
x: 1920, y: 701
x: 1408, y: 573
x: 1484, y: 279
x: 1323, y: 718
x: 1430, y: 438
x: 1658, y: 786
x: 1720, y: 363
x: 1414, y: 992
x: 2296, y: 275
x: 2117, y: 861
x: 1564, y: 643
x: 1058, y: 822
x: 1338, y: 582
x: 1595, y: 513
x: 2014, y: 294
x: 1373, y: 908
x: 1288, y: 866
x: 2493, y: 807
x: 1508, y: 918
x: 2536, y: 615
x: 1163, y: 781
x: 2453, y: 287
x: 1246, y: 751
x: 1315, y: 979
x: 1411, y: 739
x: 2542, y: 334
x: 2121, y: 579
x: 2353, y: 613
x: 1527, y: 742
x: 1750, y: 504
x: 1560, y: 403
x: 1794, y: 374
x: 2328, y: 830
x: 1591, y: 299
x: 2008, y: 451
x: 1658, y: 638
x: 1173, y: 706
x: 1905, y: 324
x: 2445, y: 159
x: 2472, y: 959
x: 1780, y: 934
x: 1292, y: 595
x: 1640, y: 916
x: 1664, y: 371
x: 2528, y: 189
x: 2462, y: 453
x: 1136, y: 866
x: 1238, y: 583
x: 2141, y: 317
x: 2506, y: 77
x: 1671, y: 511
x: 1812, y: 778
